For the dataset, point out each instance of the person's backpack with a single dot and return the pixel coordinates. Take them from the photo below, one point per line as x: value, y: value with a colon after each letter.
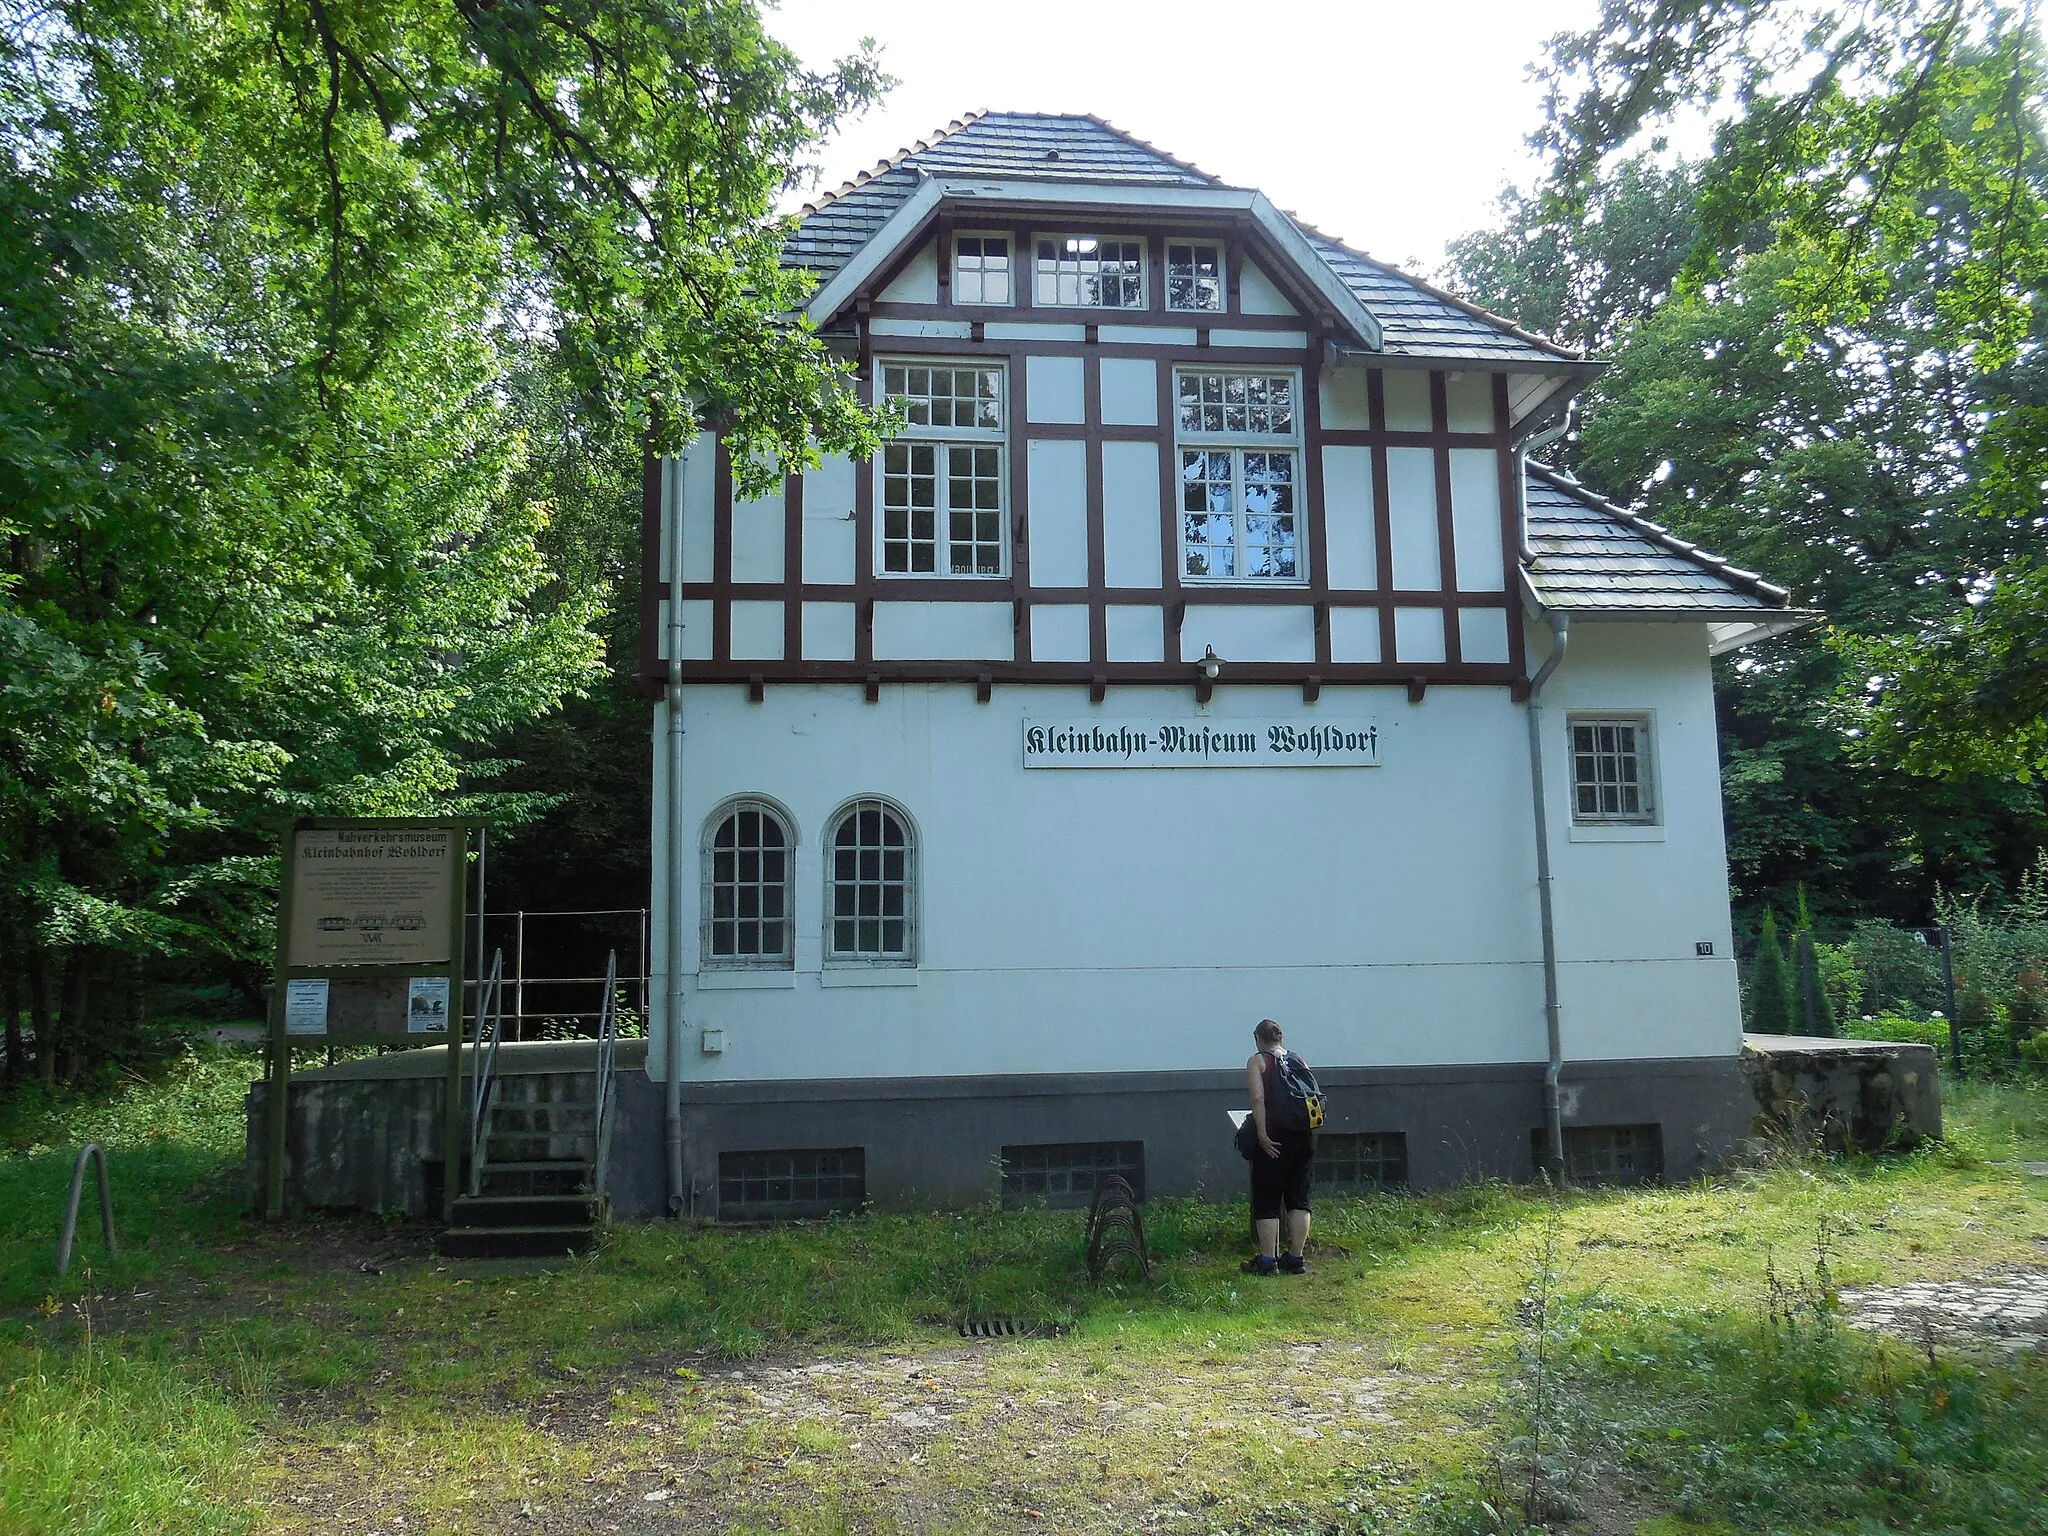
x: 1294, y: 1099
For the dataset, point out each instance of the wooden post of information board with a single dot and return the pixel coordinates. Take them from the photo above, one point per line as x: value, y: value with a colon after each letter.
x: 277, y: 1095
x: 451, y: 1106
x: 367, y: 937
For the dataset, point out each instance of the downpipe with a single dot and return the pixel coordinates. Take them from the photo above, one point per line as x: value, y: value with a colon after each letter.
x: 1553, y: 1023
x: 1560, y: 639
x: 672, y: 1114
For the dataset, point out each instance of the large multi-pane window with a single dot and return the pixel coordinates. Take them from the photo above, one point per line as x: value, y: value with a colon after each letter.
x: 1089, y: 272
x: 871, y: 901
x: 1612, y: 779
x: 942, y: 487
x: 1194, y: 277
x: 746, y: 888
x: 1238, y: 436
x: 981, y: 269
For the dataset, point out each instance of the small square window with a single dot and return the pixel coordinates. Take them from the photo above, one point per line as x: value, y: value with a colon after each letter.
x: 1613, y: 782
x: 1194, y: 277
x: 981, y: 269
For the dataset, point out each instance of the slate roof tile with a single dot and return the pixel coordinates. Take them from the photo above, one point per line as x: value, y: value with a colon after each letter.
x: 1416, y: 320
x: 1592, y: 554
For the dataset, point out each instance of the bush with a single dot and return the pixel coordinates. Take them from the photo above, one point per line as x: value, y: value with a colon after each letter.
x: 1772, y: 1003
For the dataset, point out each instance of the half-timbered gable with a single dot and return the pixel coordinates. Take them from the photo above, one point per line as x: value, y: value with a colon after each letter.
x: 1146, y: 417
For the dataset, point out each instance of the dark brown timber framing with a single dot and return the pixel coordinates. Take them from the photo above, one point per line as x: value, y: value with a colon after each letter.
x: 1183, y: 344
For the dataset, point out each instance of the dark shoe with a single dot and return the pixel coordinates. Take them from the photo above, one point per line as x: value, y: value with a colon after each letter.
x: 1293, y: 1264
x: 1259, y: 1264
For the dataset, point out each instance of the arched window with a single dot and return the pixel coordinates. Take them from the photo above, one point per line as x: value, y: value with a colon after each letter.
x: 871, y: 907
x: 746, y: 887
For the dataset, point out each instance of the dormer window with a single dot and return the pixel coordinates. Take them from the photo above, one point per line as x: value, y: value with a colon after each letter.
x: 981, y: 269
x: 1194, y: 277
x: 1089, y: 272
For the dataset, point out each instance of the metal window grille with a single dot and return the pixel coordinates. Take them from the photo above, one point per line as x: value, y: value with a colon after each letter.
x: 871, y: 885
x: 1610, y: 769
x: 981, y: 269
x: 1610, y: 1154
x: 942, y: 502
x: 1194, y: 277
x: 1356, y: 1163
x: 747, y: 896
x: 1064, y: 1174
x: 1091, y: 273
x: 792, y: 1183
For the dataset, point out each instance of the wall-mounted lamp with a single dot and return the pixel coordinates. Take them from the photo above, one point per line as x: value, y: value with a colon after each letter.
x: 1209, y: 668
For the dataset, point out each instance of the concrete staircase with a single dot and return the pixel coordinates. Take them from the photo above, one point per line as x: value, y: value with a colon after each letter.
x: 538, y: 1175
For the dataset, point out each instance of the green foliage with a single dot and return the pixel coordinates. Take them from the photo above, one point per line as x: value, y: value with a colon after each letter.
x: 329, y: 333
x: 1771, y: 1004
x: 1820, y: 374
x: 1890, y: 163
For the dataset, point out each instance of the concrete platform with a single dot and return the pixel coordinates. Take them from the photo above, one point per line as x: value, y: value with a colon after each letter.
x: 515, y: 1057
x: 1843, y: 1095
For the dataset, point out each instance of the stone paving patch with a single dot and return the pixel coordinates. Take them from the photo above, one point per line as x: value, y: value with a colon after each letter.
x: 2000, y: 1311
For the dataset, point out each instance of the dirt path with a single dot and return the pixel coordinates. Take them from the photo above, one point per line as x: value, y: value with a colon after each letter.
x: 992, y: 1436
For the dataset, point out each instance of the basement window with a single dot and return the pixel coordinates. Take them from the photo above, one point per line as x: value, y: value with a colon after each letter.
x: 1064, y: 1174
x: 790, y: 1184
x: 1609, y: 1154
x: 1349, y: 1163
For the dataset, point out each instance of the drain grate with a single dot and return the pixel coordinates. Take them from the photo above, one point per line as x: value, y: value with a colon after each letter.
x: 1007, y: 1328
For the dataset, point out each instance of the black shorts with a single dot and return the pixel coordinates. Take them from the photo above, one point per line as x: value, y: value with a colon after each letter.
x: 1282, y: 1183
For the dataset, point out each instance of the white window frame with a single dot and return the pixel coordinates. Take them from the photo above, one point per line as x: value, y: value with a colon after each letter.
x: 1237, y: 444
x: 1650, y: 811
x: 1009, y: 239
x: 1222, y: 276
x: 943, y: 441
x: 835, y: 958
x: 707, y: 957
x: 1100, y: 237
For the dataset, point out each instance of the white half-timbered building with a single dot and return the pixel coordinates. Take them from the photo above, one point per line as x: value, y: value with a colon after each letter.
x: 1199, y: 652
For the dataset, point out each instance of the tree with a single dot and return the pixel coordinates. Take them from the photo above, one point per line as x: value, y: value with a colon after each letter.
x: 1770, y: 1004
x: 1857, y: 134
x: 1816, y: 1009
x: 1835, y: 462
x: 272, y: 533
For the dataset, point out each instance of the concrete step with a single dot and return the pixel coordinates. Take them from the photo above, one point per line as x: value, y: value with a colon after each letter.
x: 515, y: 1242
x: 530, y: 1211
x: 581, y: 1166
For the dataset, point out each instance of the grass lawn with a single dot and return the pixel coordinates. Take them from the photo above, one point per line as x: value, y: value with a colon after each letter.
x: 1652, y: 1361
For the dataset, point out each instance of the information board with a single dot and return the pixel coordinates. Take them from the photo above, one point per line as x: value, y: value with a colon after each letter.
x: 372, y: 895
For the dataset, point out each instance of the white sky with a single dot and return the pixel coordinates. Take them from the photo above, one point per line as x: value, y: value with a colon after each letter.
x: 1390, y: 125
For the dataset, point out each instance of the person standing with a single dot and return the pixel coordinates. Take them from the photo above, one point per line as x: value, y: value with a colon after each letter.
x: 1283, y: 1166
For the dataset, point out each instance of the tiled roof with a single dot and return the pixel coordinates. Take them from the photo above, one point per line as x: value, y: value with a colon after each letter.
x: 1592, y: 555
x: 1416, y: 319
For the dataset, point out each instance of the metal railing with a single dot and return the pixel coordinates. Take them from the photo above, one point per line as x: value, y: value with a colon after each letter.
x: 68, y: 1234
x: 490, y: 1020
x: 529, y: 993
x: 607, y: 1049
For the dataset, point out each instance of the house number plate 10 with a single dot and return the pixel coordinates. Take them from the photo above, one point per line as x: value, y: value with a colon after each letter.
x: 1200, y: 743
